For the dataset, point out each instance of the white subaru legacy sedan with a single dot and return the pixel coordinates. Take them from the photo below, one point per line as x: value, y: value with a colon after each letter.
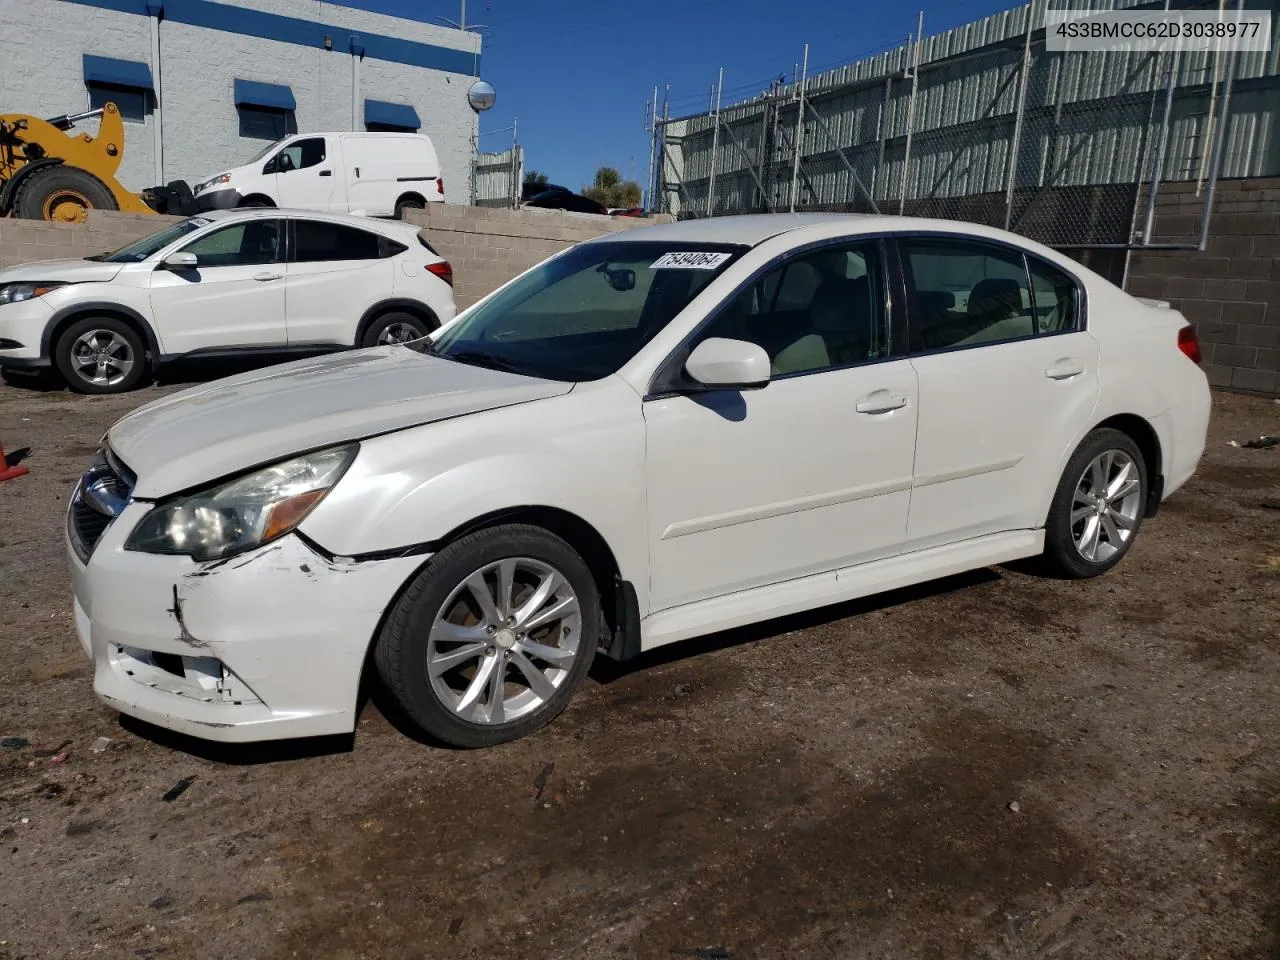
x: 648, y: 437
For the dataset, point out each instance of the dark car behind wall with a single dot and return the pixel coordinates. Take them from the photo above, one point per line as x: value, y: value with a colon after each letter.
x: 562, y: 199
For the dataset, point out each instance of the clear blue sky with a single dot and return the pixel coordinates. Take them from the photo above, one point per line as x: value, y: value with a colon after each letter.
x: 577, y: 73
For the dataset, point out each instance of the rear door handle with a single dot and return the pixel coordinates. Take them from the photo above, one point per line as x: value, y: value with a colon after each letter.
x: 357, y: 173
x: 881, y: 401
x: 326, y: 173
x: 267, y: 275
x: 1065, y: 369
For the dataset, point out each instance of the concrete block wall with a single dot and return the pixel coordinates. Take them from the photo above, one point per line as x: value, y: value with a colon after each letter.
x: 23, y: 241
x: 1231, y: 290
x: 487, y: 246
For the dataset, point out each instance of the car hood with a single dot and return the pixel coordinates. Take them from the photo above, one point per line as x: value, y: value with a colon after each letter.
x: 221, y: 428
x: 64, y: 271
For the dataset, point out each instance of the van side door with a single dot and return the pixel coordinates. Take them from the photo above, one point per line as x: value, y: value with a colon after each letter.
x: 370, y: 162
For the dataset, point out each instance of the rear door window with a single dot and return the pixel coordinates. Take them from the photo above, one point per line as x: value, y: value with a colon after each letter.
x: 966, y: 293
x: 315, y: 241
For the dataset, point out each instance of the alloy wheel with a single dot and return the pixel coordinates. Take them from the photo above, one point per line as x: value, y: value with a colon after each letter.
x: 1106, y: 505
x: 398, y: 333
x: 504, y: 641
x: 102, y: 357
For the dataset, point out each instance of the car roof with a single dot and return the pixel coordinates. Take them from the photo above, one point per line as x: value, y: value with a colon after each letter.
x: 755, y: 228
x: 749, y: 229
x: 353, y: 220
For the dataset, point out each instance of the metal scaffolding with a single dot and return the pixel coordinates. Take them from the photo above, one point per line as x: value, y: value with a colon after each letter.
x: 982, y: 124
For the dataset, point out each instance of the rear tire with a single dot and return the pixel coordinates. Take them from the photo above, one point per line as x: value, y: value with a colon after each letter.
x: 61, y: 194
x: 447, y: 662
x: 408, y: 203
x: 101, y: 355
x: 1098, y: 507
x: 397, y: 326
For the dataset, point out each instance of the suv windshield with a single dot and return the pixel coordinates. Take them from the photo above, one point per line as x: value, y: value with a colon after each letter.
x: 584, y: 314
x: 139, y: 250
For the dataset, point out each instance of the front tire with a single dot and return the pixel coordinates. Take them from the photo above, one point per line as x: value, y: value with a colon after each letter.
x: 1098, y: 506
x: 61, y: 194
x: 101, y: 355
x: 492, y: 638
x: 397, y: 326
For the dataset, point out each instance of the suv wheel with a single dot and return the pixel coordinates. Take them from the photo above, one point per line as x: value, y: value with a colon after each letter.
x: 101, y: 355
x: 397, y: 326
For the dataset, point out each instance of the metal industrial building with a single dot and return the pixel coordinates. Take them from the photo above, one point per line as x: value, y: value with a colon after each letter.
x: 205, y: 85
x: 981, y: 123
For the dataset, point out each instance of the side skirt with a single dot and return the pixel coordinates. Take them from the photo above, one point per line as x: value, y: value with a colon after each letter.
x: 848, y: 583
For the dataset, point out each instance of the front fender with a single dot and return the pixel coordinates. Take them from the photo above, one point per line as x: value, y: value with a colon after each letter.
x: 582, y: 452
x: 128, y: 302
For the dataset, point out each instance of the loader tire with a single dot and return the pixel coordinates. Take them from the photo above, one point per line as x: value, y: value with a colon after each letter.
x: 62, y: 194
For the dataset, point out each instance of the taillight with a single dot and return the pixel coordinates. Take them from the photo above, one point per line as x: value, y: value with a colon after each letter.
x: 1188, y: 343
x: 440, y: 185
x: 443, y: 270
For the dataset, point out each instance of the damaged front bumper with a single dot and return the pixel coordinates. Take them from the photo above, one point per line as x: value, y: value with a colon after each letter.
x: 265, y: 645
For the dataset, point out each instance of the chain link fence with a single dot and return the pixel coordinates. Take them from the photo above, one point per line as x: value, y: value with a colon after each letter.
x: 982, y: 124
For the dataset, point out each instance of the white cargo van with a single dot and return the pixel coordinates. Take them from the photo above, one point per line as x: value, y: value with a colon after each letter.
x: 375, y: 174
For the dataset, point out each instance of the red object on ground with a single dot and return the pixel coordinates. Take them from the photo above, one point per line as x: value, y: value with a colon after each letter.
x: 7, y: 472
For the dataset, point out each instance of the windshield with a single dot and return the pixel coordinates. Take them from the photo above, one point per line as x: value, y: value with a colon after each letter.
x: 263, y: 152
x: 584, y: 314
x: 139, y: 250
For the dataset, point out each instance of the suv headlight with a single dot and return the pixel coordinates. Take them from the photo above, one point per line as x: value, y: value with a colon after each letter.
x: 242, y: 513
x: 17, y: 292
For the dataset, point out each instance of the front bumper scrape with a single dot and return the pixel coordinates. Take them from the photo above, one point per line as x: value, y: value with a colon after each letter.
x: 266, y: 645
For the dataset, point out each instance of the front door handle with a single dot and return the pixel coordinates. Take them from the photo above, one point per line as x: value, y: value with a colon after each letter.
x: 882, y: 401
x: 267, y: 275
x: 1065, y: 369
x: 326, y: 173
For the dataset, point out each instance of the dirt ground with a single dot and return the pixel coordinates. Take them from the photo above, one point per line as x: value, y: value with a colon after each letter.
x: 995, y: 766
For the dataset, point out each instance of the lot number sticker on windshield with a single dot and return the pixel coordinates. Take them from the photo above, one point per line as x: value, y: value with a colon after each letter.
x: 689, y: 260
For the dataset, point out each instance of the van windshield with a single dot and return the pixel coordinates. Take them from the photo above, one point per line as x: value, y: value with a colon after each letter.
x: 584, y: 314
x: 269, y: 148
x: 139, y: 250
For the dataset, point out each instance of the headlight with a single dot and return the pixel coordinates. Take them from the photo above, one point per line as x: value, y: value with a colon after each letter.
x: 220, y: 178
x: 243, y: 513
x: 17, y: 292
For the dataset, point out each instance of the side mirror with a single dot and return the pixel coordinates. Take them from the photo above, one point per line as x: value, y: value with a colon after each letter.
x: 181, y: 261
x: 284, y: 163
x: 728, y: 364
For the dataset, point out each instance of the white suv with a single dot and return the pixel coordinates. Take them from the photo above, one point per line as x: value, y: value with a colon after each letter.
x: 266, y: 281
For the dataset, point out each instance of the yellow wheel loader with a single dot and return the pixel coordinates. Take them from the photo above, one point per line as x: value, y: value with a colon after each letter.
x: 47, y: 173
